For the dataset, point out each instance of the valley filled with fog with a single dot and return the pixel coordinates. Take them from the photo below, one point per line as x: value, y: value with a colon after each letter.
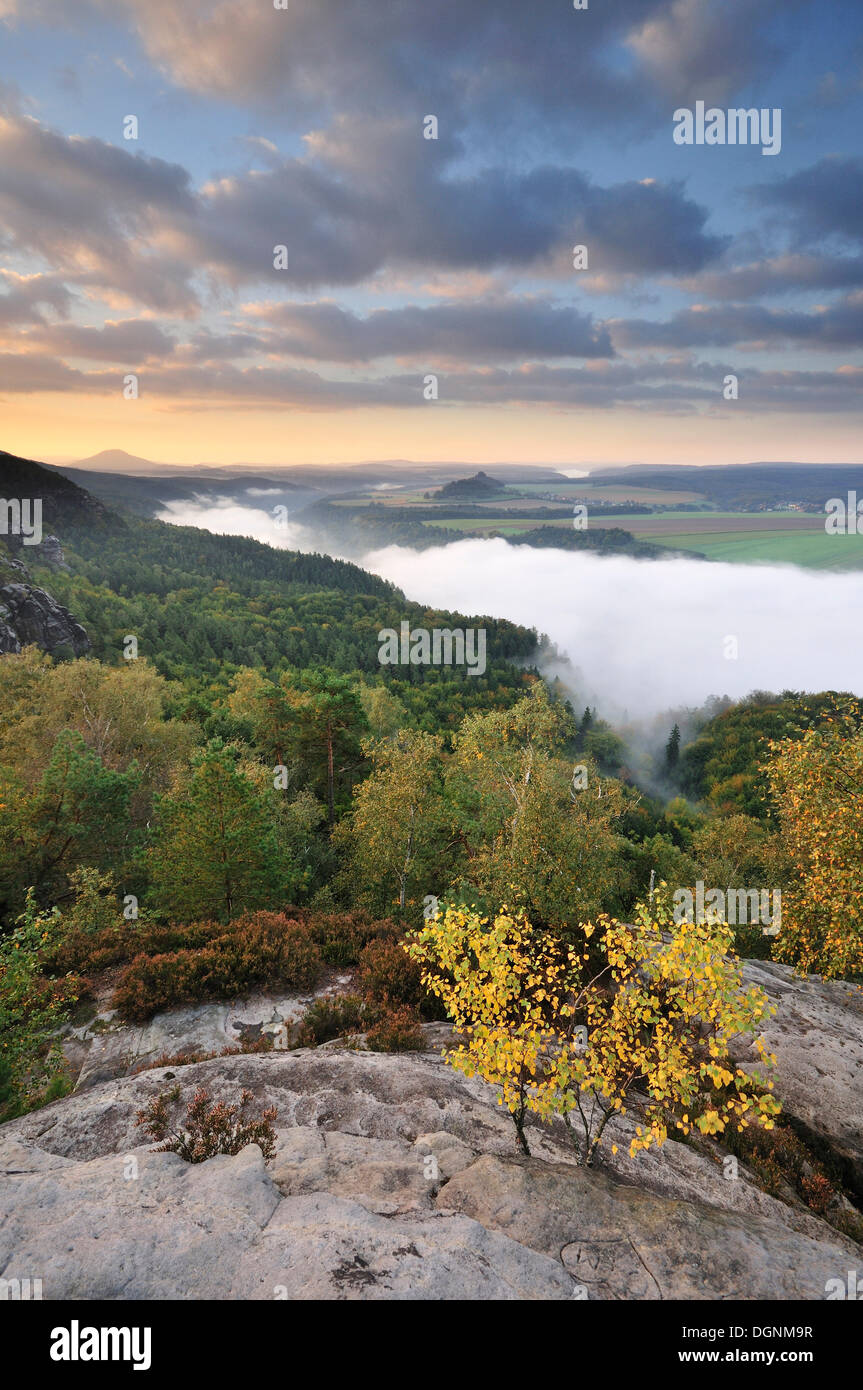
x: 636, y: 636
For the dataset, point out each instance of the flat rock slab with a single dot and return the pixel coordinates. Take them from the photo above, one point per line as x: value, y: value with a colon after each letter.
x: 625, y: 1243
x: 394, y: 1177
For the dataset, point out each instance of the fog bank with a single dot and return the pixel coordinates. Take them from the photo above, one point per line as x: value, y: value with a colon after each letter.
x: 643, y: 635
x: 648, y: 635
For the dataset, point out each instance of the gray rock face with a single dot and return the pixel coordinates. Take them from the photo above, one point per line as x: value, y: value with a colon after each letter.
x: 50, y: 552
x: 394, y: 1177
x: 30, y: 616
x: 625, y: 1243
x: 106, y: 1048
x: 817, y: 1037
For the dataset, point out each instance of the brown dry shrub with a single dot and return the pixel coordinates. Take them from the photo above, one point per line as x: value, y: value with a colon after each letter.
x: 209, y: 1129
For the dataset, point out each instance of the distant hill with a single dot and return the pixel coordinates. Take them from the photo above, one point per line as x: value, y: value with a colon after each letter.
x: 64, y: 503
x: 148, y: 496
x: 739, y: 486
x: 118, y: 461
x: 477, y: 488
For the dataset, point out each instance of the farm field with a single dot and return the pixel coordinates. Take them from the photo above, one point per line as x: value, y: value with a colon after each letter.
x: 809, y: 549
x: 608, y: 492
x: 737, y: 537
x: 797, y: 538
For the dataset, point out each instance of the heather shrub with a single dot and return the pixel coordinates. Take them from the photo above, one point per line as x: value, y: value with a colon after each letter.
x: 390, y: 979
x: 90, y: 950
x: 387, y: 1006
x: 781, y: 1160
x: 342, y: 936
x: 330, y: 1018
x: 259, y: 951
x: 398, y: 1029
x: 209, y: 1129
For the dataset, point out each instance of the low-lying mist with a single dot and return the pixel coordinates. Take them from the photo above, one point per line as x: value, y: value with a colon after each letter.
x: 640, y: 636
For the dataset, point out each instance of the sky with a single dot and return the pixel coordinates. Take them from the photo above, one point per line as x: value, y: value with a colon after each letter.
x: 430, y: 308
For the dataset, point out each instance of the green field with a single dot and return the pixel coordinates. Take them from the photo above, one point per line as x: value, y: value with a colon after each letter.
x: 608, y: 492
x: 789, y: 538
x: 810, y: 549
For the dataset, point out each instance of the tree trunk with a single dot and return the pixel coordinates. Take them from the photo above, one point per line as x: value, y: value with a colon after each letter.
x: 331, y: 804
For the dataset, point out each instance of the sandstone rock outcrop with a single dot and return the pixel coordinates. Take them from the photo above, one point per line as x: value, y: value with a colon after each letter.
x: 394, y: 1177
x: 30, y: 616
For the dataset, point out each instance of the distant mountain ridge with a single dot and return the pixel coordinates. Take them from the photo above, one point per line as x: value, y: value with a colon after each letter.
x: 63, y: 501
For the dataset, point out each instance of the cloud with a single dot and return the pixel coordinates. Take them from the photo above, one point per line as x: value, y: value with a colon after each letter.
x: 696, y: 50
x: 671, y: 385
x: 27, y: 373
x: 495, y: 205
x: 777, y: 275
x: 822, y: 200
x: 473, y: 60
x: 136, y: 226
x: 494, y: 70
x: 27, y: 295
x: 130, y: 342
x: 403, y: 209
x: 834, y: 326
x: 93, y: 210
x: 480, y: 331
